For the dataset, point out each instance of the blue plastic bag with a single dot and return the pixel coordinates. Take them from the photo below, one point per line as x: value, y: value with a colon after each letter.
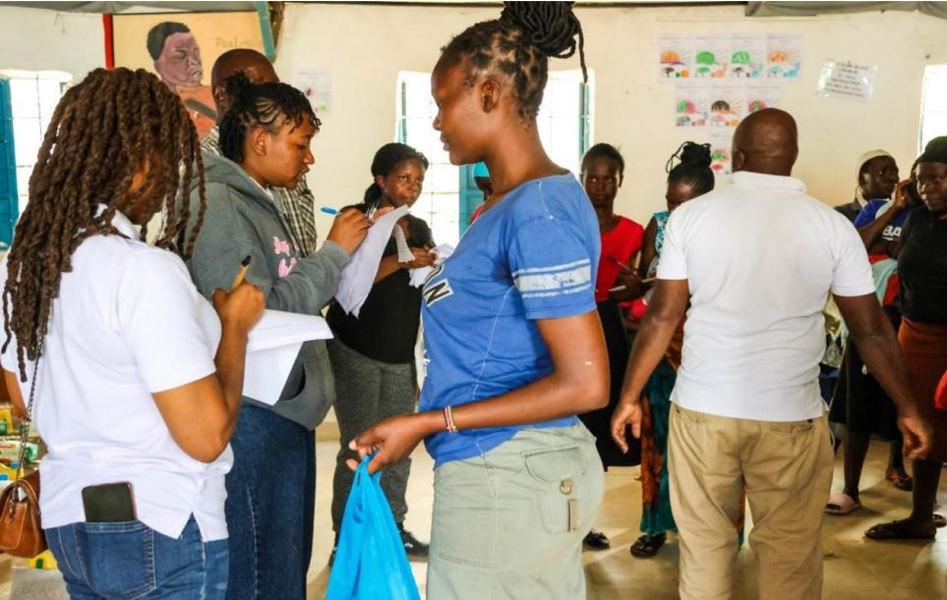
x: 370, y: 563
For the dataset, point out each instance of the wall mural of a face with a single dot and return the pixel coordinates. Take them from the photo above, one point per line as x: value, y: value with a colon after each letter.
x: 180, y: 61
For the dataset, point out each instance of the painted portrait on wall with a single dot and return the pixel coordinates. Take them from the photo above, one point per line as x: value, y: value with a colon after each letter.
x: 181, y: 49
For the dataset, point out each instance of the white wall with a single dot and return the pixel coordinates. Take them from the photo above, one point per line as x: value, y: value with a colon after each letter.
x: 46, y: 40
x: 366, y: 46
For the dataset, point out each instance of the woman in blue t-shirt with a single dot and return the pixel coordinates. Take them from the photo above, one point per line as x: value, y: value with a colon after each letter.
x: 513, y: 339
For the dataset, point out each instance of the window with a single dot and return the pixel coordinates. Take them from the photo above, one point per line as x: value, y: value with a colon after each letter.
x: 934, y: 104
x: 28, y: 105
x: 439, y: 201
x: 449, y: 196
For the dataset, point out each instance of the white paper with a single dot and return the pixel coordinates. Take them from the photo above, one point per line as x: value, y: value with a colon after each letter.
x: 846, y: 80
x: 358, y: 276
x: 273, y: 345
x: 419, y: 276
x: 401, y: 242
x: 316, y: 84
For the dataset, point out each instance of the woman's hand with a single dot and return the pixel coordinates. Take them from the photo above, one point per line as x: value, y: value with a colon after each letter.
x: 634, y: 287
x: 394, y: 439
x: 422, y: 258
x: 241, y: 308
x: 901, y: 196
x: 349, y: 229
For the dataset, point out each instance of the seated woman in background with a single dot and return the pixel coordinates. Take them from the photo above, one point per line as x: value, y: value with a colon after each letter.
x: 131, y: 366
x: 372, y: 354
x: 602, y: 171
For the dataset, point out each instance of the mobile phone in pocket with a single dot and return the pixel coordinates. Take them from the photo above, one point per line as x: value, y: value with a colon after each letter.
x: 109, y: 503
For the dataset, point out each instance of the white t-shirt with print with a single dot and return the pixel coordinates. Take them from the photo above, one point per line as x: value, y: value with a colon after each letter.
x: 128, y: 322
x: 760, y: 257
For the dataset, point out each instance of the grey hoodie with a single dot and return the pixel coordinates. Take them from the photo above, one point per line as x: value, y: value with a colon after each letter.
x: 242, y: 220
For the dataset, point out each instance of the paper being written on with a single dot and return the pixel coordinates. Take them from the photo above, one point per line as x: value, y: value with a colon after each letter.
x: 358, y: 276
x: 273, y: 345
x: 418, y: 276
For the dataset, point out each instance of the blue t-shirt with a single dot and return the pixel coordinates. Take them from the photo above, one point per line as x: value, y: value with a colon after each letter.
x: 873, y: 210
x: 532, y: 256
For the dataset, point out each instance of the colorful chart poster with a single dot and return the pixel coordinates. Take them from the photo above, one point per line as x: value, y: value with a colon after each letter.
x: 711, y: 55
x: 784, y: 52
x: 720, y: 143
x: 677, y: 57
x: 762, y: 94
x: 727, y: 102
x: 747, y: 55
x: 317, y: 85
x: 691, y: 104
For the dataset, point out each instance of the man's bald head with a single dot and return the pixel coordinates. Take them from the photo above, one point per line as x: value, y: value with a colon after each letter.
x: 251, y: 63
x: 766, y: 142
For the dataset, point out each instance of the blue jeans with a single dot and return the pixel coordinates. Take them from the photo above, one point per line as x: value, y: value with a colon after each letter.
x: 271, y: 498
x: 131, y: 560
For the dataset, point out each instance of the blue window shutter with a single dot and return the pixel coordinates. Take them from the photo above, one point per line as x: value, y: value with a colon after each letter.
x: 470, y: 196
x: 585, y: 120
x: 403, y: 113
x: 9, y: 203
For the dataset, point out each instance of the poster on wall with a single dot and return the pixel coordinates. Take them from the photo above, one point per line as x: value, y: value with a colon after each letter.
x: 691, y: 104
x: 727, y: 104
x: 720, y: 148
x: 846, y: 80
x: 317, y: 85
x: 762, y: 94
x: 676, y: 57
x: 711, y: 55
x: 747, y: 55
x: 181, y: 49
x: 784, y: 55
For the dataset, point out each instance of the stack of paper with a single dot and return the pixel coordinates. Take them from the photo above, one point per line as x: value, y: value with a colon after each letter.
x: 418, y: 276
x: 273, y: 345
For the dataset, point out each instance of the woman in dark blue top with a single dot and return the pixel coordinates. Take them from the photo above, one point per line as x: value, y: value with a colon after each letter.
x: 513, y: 340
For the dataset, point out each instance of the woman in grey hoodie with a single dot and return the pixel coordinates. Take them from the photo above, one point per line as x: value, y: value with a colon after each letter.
x: 264, y: 140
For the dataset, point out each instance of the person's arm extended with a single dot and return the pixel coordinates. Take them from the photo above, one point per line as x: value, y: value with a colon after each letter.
x: 202, y: 415
x: 578, y: 383
x: 667, y: 308
x: 877, y: 344
x: 871, y: 233
x: 647, y: 248
x: 310, y: 283
x: 390, y: 265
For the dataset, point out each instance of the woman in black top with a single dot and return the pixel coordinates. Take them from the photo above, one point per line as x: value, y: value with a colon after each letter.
x: 922, y: 266
x: 372, y: 354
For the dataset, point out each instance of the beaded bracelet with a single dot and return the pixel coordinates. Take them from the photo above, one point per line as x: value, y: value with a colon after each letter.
x: 451, y: 426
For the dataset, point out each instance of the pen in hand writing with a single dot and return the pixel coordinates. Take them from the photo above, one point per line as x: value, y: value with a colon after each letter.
x: 241, y: 274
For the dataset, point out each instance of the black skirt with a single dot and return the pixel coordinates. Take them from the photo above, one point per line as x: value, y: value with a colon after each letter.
x: 859, y: 401
x: 599, y: 421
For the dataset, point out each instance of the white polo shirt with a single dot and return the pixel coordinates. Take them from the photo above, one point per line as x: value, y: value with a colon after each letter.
x: 760, y: 257
x: 128, y: 322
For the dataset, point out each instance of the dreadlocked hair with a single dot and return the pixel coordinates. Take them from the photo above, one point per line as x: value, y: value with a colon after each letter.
x: 268, y: 105
x: 608, y: 151
x: 519, y: 45
x: 104, y: 131
x: 386, y: 159
x: 693, y: 169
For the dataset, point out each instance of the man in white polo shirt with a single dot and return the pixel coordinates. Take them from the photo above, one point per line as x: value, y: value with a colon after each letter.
x: 755, y: 261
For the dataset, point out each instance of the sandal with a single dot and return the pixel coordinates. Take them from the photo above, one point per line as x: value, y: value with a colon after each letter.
x: 905, y: 483
x: 895, y: 530
x: 939, y: 520
x: 841, y: 504
x: 648, y: 545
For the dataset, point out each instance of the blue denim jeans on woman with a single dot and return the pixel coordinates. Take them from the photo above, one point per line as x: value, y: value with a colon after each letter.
x: 131, y: 560
x: 271, y: 498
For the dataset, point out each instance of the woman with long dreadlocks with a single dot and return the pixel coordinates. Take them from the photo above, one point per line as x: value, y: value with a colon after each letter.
x: 134, y: 378
x: 512, y: 333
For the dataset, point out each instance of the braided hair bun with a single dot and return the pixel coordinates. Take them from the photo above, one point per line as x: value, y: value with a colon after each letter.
x: 551, y: 27
x: 693, y: 169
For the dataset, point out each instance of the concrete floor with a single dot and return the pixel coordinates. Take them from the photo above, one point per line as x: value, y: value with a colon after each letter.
x: 855, y: 568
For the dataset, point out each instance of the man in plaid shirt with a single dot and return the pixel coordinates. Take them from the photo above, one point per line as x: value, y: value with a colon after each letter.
x: 296, y: 206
